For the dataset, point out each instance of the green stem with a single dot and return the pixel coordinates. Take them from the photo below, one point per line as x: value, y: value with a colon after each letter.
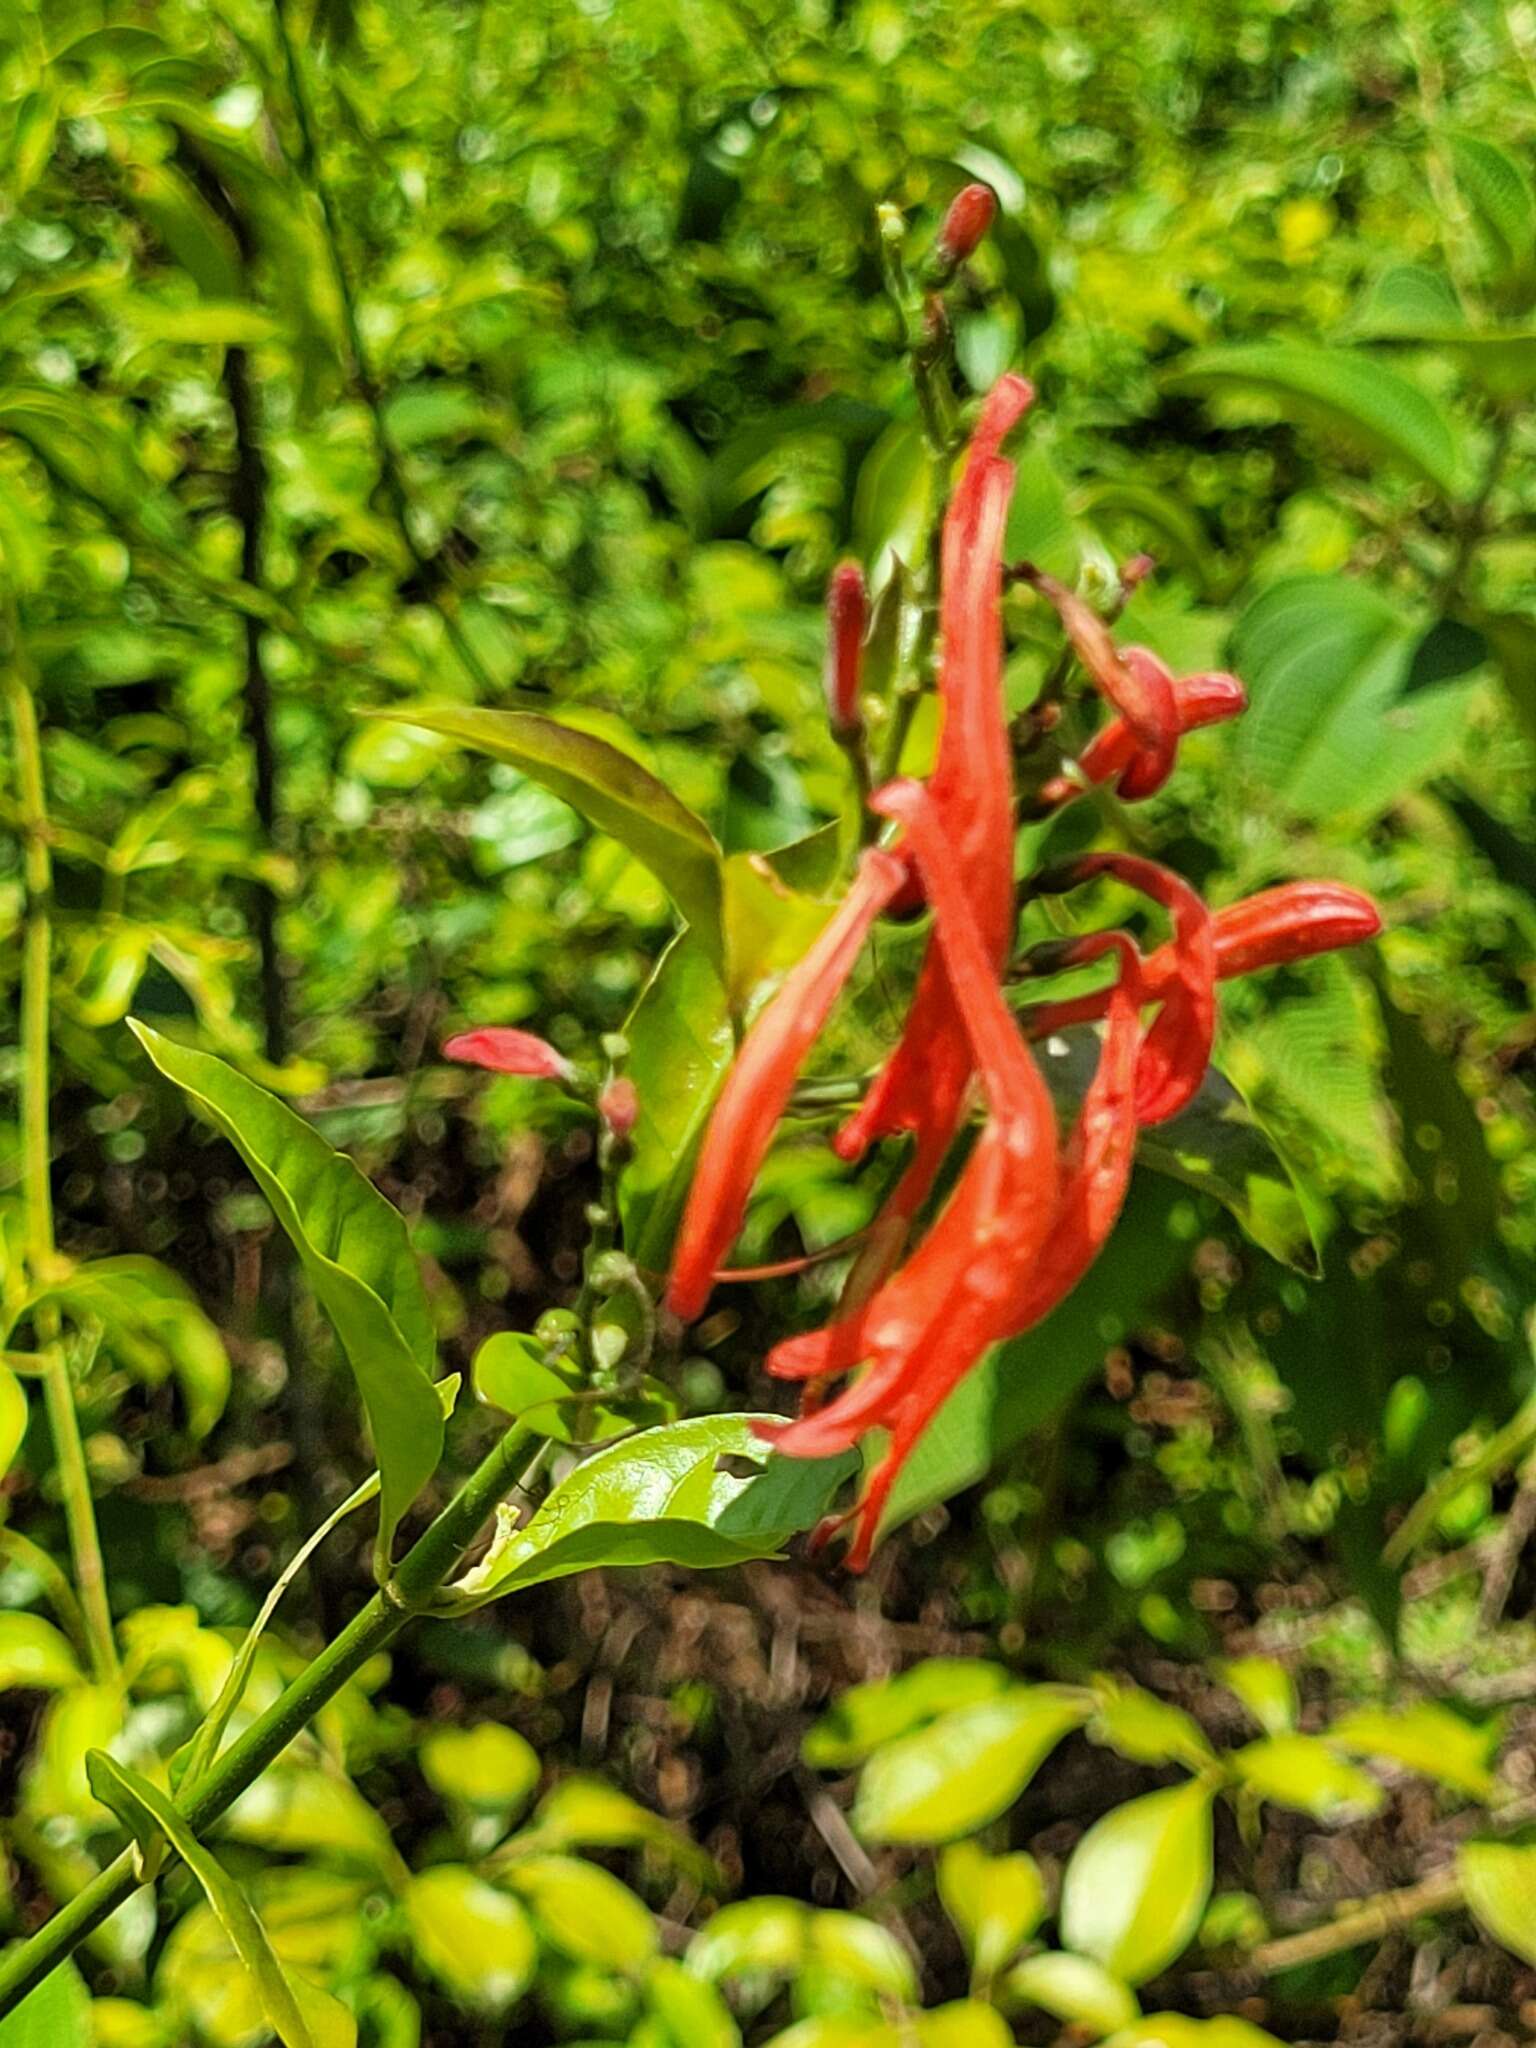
x: 362, y: 377
x: 36, y: 967
x: 1500, y: 1454
x: 417, y: 1578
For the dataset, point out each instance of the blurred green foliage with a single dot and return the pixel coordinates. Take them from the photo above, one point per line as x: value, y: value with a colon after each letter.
x: 533, y: 357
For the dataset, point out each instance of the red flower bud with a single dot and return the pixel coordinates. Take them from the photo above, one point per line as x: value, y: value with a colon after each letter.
x: 619, y: 1106
x: 1291, y: 923
x: 970, y: 214
x: 847, y: 616
x: 506, y: 1051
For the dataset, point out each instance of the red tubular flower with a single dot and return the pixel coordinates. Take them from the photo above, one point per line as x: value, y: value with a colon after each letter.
x: 970, y: 214
x: 922, y: 1086
x: 506, y: 1051
x: 757, y: 1089
x: 1198, y: 700
x: 1292, y: 922
x: 1177, y: 1049
x: 929, y: 1324
x: 1135, y: 682
x: 847, y: 616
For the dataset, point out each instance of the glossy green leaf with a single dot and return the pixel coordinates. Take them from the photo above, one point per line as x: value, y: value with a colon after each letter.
x: 355, y: 1254
x: 1301, y: 1771
x: 965, y: 2023
x: 854, y: 1951
x: 1137, y: 1882
x: 1076, y: 1989
x: 611, y: 790
x: 475, y: 1940
x: 659, y: 1498
x: 680, y: 1048
x: 1266, y: 1689
x: 189, y: 228
x: 861, y: 1719
x: 13, y: 1419
x: 34, y: 1653
x: 1174, y: 2030
x: 1499, y: 1881
x: 510, y: 1373
x: 1498, y: 193
x: 56, y: 2015
x: 1427, y: 1738
x: 965, y: 1768
x: 995, y: 1903
x: 294, y: 1809
x: 58, y: 1784
x: 768, y: 925
x: 753, y: 1935
x: 584, y: 1911
x: 692, y: 2012
x: 1338, y: 392
x: 1146, y: 1729
x: 300, y: 2013
x: 489, y: 1768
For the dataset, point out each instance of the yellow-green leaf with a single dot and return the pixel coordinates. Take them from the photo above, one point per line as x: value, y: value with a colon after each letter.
x: 1138, y: 1881
x: 965, y: 1768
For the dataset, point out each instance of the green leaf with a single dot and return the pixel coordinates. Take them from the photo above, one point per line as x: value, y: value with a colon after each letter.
x: 1075, y: 1988
x: 1337, y: 391
x: 692, y: 2012
x: 300, y: 2013
x: 489, y: 1768
x: 56, y: 2015
x: 295, y: 1809
x: 964, y: 1768
x: 1499, y: 1881
x: 1499, y: 195
x: 1301, y: 1771
x: 189, y: 228
x: 585, y: 1813
x: 1328, y: 733
x: 511, y: 1373
x: 754, y: 1935
x: 1146, y: 1729
x: 1428, y: 1738
x: 965, y: 2023
x: 853, y: 1951
x: 680, y: 1049
x: 612, y: 791
x: 474, y: 1939
x: 659, y: 1498
x: 153, y: 1325
x: 584, y: 1911
x: 768, y: 925
x: 1138, y: 1881
x: 893, y: 506
x: 1265, y: 1688
x: 865, y: 1716
x: 355, y: 1254
x: 13, y: 1419
x: 1173, y: 2030
x: 995, y: 1902
x: 34, y: 1653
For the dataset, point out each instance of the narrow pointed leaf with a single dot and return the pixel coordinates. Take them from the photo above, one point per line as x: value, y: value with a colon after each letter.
x: 355, y: 1255
x: 612, y: 791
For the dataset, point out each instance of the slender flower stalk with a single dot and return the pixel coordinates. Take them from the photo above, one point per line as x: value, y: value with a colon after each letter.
x: 1133, y: 679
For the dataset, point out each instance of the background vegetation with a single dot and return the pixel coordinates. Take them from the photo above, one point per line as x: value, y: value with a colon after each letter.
x: 535, y: 356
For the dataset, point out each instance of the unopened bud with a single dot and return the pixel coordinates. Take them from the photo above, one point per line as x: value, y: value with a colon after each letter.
x: 506, y: 1051
x: 970, y: 214
x: 619, y: 1106
x: 847, y: 615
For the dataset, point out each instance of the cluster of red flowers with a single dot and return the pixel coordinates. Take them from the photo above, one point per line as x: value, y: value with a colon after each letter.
x: 1029, y: 1210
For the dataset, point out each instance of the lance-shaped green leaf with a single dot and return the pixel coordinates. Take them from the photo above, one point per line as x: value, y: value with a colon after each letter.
x: 1499, y: 196
x: 658, y: 1498
x: 612, y: 791
x: 355, y: 1253
x: 1138, y: 1881
x: 1340, y: 392
x: 299, y: 2013
x: 1499, y: 1880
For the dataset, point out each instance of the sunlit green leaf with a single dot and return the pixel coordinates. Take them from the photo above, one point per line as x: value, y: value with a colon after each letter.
x: 1076, y: 1989
x: 355, y: 1254
x: 1137, y: 1882
x: 965, y: 1768
x: 1499, y: 1880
